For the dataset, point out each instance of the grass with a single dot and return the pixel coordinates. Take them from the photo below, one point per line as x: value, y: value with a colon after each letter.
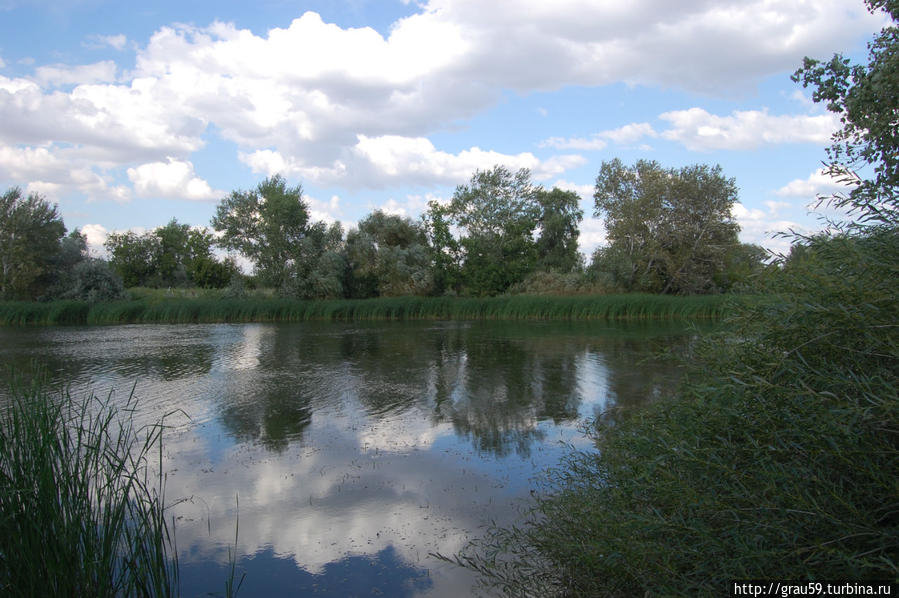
x: 154, y: 308
x: 81, y: 514
x: 777, y: 459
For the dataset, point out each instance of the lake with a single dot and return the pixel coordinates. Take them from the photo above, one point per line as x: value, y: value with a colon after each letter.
x: 348, y: 453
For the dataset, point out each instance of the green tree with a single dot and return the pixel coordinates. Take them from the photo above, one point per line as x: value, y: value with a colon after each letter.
x: 777, y: 457
x: 497, y: 213
x: 318, y: 267
x: 669, y: 230
x: 134, y: 258
x: 94, y: 280
x: 388, y: 256
x: 866, y: 96
x: 30, y: 233
x: 560, y: 216
x: 445, y: 251
x: 270, y: 226
x: 72, y: 252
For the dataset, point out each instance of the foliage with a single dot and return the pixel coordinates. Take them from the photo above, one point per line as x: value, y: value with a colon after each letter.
x: 82, y: 514
x: 497, y: 212
x: 93, y: 280
x: 270, y: 225
x: 867, y: 99
x: 72, y: 251
x: 30, y: 233
x: 132, y: 257
x: 558, y: 222
x: 319, y: 268
x: 445, y: 251
x: 388, y: 256
x: 174, y: 255
x: 669, y: 230
x: 777, y: 458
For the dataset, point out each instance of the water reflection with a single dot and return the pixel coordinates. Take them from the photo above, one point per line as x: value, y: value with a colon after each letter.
x: 356, y: 450
x: 268, y: 574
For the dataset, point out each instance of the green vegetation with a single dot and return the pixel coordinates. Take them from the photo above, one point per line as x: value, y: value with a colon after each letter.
x: 171, y: 255
x: 670, y: 231
x: 81, y: 513
x: 152, y: 309
x: 778, y: 458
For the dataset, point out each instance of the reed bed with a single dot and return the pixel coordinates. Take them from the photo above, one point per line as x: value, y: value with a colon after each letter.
x: 80, y: 512
x: 178, y: 310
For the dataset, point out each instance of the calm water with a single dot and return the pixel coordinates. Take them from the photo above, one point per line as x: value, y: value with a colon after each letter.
x: 350, y: 452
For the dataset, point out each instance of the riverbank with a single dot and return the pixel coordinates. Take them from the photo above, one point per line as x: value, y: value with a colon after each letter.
x: 180, y: 310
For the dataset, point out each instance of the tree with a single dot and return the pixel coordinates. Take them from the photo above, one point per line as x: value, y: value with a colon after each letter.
x: 867, y: 99
x: 134, y: 257
x: 445, y: 251
x: 560, y: 215
x: 71, y: 253
x: 669, y: 230
x: 94, y: 280
x: 388, y: 256
x: 270, y: 226
x: 30, y: 233
x: 318, y: 266
x: 498, y: 213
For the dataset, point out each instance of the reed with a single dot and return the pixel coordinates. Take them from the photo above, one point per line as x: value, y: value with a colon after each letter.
x: 81, y: 514
x: 775, y: 460
x: 178, y: 310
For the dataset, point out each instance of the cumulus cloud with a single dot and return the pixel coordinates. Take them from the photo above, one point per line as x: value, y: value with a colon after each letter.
x: 817, y: 183
x: 318, y: 100
x: 622, y: 135
x: 699, y: 130
x: 96, y: 236
x: 57, y: 75
x: 393, y: 159
x: 761, y: 226
x: 53, y: 171
x: 172, y: 179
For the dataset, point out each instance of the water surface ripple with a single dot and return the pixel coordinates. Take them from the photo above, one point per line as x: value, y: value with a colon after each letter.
x: 355, y: 450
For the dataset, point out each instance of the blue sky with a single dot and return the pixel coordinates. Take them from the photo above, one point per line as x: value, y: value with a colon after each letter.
x: 130, y: 115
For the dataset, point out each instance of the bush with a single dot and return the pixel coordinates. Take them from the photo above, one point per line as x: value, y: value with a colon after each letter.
x: 94, y: 280
x: 777, y: 459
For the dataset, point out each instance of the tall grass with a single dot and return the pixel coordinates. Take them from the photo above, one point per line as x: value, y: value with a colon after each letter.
x: 520, y: 307
x: 81, y: 514
x: 778, y: 459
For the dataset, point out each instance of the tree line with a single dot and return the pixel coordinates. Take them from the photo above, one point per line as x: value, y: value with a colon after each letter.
x: 669, y: 231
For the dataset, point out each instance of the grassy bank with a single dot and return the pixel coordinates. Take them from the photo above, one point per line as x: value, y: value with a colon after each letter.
x: 778, y: 459
x: 521, y: 307
x: 80, y: 514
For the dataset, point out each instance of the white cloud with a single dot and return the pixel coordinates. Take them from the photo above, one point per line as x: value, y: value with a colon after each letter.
x: 699, y: 130
x: 117, y: 42
x: 393, y: 159
x: 630, y: 133
x: 817, y: 183
x: 585, y: 192
x: 622, y: 135
x: 327, y: 211
x: 54, y: 172
x: 761, y: 227
x: 172, y: 179
x: 353, y: 107
x: 56, y: 75
x: 96, y: 236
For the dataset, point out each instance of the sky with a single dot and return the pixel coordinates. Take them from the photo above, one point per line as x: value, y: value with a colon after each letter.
x: 130, y: 114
